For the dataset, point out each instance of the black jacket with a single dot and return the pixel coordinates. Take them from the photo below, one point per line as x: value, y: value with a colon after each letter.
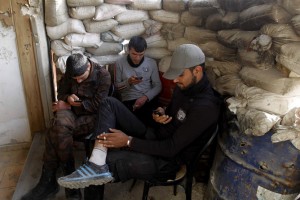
x: 195, y: 111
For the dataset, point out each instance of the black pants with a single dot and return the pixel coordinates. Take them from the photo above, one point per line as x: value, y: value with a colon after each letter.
x: 123, y: 163
x: 145, y: 112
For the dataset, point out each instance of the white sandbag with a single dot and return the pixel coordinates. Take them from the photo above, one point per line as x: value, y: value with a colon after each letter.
x: 260, y: 60
x: 157, y: 53
x: 296, y: 143
x: 285, y: 134
x: 106, y: 48
x: 83, y: 40
x: 292, y: 6
x: 293, y: 75
x: 255, y: 17
x: 239, y: 5
x: 226, y: 84
x: 271, y: 80
x: 289, y: 56
x: 188, y: 19
x: 145, y: 5
x: 199, y: 35
x: 211, y: 76
x: 70, y: 26
x: 152, y: 27
x: 263, y: 100
x: 165, y: 16
x: 173, y: 44
x: 127, y: 31
x: 108, y: 59
x: 261, y: 43
x: 295, y: 21
x: 85, y: 12
x: 218, y: 21
x: 156, y: 41
x: 119, y: 2
x: 61, y: 63
x: 218, y: 51
x: 174, y: 5
x: 292, y: 118
x: 99, y: 26
x: 106, y: 11
x: 131, y: 16
x: 56, y: 12
x: 172, y: 31
x: 60, y: 48
x: 110, y: 37
x: 223, y: 68
x: 281, y: 34
x: 203, y: 8
x: 236, y: 38
x: 78, y: 3
x: 164, y: 64
x: 255, y: 122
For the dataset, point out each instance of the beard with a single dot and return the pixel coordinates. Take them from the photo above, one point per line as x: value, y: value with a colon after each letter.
x: 190, y: 85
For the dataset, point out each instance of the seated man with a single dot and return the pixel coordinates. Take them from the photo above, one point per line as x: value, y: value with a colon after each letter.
x: 184, y: 126
x: 137, y: 80
x: 84, y: 85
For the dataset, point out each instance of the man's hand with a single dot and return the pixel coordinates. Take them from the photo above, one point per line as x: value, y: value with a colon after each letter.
x: 71, y: 100
x: 140, y: 102
x: 161, y: 117
x: 114, y: 139
x: 133, y: 80
x: 60, y: 105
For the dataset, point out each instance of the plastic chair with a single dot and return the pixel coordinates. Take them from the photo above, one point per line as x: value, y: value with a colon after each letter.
x: 185, y: 173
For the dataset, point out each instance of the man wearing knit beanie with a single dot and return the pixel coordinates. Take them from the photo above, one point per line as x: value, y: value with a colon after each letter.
x: 83, y: 86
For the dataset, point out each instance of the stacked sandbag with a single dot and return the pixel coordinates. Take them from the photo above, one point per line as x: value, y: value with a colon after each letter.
x: 253, y: 42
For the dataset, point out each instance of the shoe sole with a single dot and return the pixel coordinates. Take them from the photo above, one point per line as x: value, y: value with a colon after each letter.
x: 84, y: 183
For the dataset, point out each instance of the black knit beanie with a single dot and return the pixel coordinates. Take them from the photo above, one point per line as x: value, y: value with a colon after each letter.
x: 76, y: 65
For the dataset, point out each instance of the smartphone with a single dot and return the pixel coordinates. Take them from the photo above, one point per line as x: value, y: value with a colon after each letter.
x: 139, y: 77
x: 78, y: 100
x: 157, y: 112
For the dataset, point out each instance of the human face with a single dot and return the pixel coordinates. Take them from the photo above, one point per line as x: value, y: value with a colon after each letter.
x: 136, y: 57
x: 84, y: 76
x: 188, y: 78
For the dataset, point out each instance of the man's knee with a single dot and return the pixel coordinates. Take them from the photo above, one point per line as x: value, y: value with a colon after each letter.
x: 65, y: 118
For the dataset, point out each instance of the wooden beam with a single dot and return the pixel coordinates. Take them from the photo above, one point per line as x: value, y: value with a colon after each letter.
x: 28, y: 66
x: 5, y: 13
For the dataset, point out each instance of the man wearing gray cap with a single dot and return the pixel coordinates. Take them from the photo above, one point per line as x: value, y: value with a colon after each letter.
x: 157, y: 152
x: 80, y: 91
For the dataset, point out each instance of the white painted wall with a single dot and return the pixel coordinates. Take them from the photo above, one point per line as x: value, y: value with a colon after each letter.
x: 14, y: 123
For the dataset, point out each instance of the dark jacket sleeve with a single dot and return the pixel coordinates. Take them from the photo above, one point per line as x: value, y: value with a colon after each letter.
x: 92, y: 104
x: 64, y: 89
x: 199, y: 119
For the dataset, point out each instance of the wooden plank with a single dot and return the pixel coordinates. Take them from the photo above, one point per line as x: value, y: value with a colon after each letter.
x: 5, y: 13
x: 28, y: 66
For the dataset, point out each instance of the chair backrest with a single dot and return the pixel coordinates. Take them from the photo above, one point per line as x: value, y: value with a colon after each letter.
x: 193, y: 164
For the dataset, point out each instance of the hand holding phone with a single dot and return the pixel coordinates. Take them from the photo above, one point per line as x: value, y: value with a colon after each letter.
x: 139, y: 77
x: 156, y: 112
x: 78, y: 100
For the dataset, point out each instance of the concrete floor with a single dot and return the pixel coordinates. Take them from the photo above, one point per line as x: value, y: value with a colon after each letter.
x: 113, y: 191
x: 12, y: 159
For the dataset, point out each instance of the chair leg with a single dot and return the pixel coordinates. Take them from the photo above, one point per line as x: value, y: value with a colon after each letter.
x: 175, y: 190
x: 146, y: 190
x: 188, y: 187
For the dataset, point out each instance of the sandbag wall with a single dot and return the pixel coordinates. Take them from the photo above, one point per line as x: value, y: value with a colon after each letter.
x: 252, y: 47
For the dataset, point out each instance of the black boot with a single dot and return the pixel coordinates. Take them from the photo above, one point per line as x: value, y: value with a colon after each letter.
x: 46, y: 187
x: 71, y: 194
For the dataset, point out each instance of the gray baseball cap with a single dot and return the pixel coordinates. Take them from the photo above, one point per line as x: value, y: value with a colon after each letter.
x: 184, y: 56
